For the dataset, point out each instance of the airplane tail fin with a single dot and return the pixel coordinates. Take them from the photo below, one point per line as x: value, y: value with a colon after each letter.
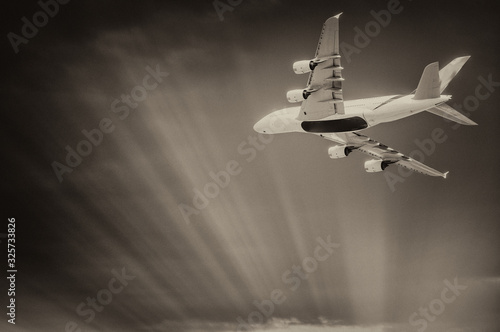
x: 450, y: 70
x: 429, y: 85
x: 452, y: 114
x: 434, y: 81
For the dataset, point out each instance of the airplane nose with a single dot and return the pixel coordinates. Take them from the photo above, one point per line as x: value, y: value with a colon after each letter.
x: 259, y: 126
x: 256, y: 127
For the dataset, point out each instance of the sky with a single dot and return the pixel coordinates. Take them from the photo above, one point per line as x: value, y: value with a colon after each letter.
x: 144, y: 201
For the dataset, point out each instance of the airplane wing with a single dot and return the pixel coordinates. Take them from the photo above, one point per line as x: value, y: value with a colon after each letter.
x: 356, y: 141
x: 325, y: 80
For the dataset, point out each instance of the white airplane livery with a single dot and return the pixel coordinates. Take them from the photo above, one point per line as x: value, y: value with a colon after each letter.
x: 324, y: 112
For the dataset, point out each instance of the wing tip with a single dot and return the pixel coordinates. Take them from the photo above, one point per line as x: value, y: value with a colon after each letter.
x: 472, y: 123
x: 445, y: 174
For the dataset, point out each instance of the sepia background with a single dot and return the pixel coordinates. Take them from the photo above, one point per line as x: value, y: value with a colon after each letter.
x: 133, y: 205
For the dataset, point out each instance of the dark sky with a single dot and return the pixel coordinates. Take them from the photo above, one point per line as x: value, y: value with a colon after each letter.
x: 398, y: 244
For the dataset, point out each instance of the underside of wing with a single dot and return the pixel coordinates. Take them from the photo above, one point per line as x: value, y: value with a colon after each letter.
x: 324, y: 87
x: 384, y: 155
x: 328, y: 43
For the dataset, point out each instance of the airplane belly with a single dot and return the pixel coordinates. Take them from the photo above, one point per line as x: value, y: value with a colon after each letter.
x: 335, y: 126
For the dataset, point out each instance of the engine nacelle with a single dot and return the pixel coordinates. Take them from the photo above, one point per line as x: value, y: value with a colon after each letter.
x: 295, y: 96
x: 339, y: 151
x: 374, y: 165
x: 304, y: 66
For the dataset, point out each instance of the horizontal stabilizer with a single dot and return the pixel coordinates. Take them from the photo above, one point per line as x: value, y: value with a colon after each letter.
x: 448, y: 112
x: 429, y: 85
x: 450, y: 70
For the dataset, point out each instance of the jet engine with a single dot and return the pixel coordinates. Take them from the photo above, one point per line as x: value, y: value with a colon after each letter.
x: 304, y: 66
x: 374, y: 165
x: 339, y: 151
x: 295, y: 96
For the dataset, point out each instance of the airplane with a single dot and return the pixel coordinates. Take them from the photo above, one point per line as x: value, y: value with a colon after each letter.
x: 324, y: 112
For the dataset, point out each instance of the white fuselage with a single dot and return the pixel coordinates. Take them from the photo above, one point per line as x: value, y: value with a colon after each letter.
x: 368, y: 111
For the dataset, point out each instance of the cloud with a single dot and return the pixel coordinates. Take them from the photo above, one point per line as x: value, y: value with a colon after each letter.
x: 273, y: 325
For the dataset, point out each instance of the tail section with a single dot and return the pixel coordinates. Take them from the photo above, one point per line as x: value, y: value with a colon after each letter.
x: 434, y: 81
x: 452, y: 114
x: 430, y: 88
x: 429, y: 85
x: 448, y: 73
